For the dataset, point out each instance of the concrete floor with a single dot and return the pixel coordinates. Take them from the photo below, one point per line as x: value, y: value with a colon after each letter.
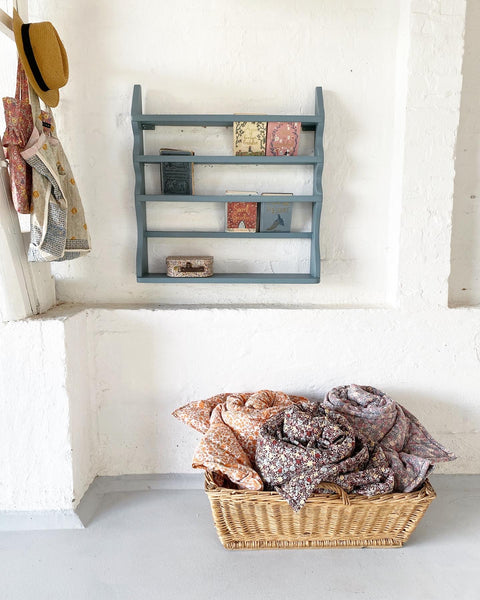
x: 163, y: 545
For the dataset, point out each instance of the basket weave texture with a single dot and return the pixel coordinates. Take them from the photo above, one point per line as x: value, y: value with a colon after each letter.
x: 256, y: 520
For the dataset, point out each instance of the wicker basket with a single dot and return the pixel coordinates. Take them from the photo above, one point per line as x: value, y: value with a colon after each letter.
x: 256, y: 520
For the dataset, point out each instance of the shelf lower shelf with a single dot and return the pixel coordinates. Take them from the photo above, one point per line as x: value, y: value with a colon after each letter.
x: 228, y: 160
x: 230, y: 234
x: 224, y: 198
x: 233, y: 278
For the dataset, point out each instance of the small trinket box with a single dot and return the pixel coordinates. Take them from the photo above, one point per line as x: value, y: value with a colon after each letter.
x: 189, y: 266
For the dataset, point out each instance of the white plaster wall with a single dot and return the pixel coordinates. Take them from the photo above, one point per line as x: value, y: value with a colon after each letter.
x: 429, y: 361
x: 230, y: 56
x: 125, y: 369
x: 35, y: 447
x: 465, y: 274
x: 80, y: 386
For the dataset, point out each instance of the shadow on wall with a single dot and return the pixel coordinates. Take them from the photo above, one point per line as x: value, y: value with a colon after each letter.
x: 464, y: 284
x: 437, y: 414
x: 341, y: 130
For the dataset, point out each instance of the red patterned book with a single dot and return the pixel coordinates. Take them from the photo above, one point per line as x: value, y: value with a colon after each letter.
x: 242, y: 217
x: 283, y: 138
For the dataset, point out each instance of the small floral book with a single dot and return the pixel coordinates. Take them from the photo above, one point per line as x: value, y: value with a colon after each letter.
x: 249, y: 138
x: 283, y: 138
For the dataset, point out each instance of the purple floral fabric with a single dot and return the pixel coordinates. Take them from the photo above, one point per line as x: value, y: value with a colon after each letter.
x: 306, y: 445
x: 409, y: 449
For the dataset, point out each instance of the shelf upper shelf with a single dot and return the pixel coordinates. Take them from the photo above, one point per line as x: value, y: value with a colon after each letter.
x: 233, y: 278
x: 309, y: 122
x: 230, y: 234
x: 229, y: 160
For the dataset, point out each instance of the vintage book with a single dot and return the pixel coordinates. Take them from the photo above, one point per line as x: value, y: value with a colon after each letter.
x: 249, y: 138
x: 176, y: 177
x: 242, y: 216
x: 275, y: 216
x: 282, y: 138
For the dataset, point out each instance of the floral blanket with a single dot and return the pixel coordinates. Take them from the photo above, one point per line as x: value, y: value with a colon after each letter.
x: 410, y: 450
x: 306, y: 445
x: 230, y: 424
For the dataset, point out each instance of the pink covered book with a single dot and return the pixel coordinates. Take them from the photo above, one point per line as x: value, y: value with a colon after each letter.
x: 282, y: 138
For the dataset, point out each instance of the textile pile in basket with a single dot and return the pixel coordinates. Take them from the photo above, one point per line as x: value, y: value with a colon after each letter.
x: 358, y: 438
x: 305, y: 445
x: 230, y: 424
x: 410, y: 450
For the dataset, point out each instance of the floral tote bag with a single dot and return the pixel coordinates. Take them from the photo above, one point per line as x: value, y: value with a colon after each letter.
x: 19, y: 127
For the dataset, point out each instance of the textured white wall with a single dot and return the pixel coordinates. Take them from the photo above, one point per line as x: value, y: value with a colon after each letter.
x: 230, y: 56
x: 465, y: 274
x: 427, y: 360
x: 35, y: 447
x: 126, y: 369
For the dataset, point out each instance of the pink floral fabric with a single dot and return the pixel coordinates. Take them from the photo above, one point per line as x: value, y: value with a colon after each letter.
x: 19, y: 127
x: 408, y: 447
x: 306, y: 445
x: 230, y: 423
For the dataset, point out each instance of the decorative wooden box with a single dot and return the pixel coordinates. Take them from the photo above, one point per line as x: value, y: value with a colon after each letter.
x: 189, y: 266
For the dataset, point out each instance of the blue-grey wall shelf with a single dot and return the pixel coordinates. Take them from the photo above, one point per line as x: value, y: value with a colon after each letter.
x: 141, y: 122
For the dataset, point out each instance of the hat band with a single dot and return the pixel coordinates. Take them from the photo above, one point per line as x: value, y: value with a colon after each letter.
x: 27, y: 46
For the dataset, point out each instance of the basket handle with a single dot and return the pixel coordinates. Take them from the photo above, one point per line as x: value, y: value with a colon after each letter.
x: 327, y: 485
x: 209, y: 483
x: 342, y: 494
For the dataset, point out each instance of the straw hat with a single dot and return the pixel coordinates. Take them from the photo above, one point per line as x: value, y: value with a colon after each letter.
x: 43, y: 58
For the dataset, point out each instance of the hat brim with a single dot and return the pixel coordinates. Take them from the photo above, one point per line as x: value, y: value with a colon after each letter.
x: 50, y: 97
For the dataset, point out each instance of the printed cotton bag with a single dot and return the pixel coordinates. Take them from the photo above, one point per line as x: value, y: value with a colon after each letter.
x: 19, y: 126
x: 58, y: 230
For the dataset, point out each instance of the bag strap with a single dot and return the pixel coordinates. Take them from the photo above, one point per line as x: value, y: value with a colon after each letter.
x: 35, y: 104
x: 37, y: 110
x: 21, y: 90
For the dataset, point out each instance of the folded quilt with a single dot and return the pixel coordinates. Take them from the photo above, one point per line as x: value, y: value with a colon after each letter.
x: 410, y: 450
x: 230, y: 424
x: 306, y: 445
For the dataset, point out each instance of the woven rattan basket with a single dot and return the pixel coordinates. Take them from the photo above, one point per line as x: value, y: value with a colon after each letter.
x: 256, y: 520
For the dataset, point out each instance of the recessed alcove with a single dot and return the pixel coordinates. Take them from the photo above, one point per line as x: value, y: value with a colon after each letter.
x: 464, y: 283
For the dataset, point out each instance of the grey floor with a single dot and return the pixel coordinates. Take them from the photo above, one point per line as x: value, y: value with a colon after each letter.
x: 162, y: 544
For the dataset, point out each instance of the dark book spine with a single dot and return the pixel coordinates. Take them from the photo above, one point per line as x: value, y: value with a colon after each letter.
x: 176, y: 178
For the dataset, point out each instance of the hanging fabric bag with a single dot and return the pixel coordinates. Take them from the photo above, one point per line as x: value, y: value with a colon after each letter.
x: 19, y: 127
x: 58, y: 230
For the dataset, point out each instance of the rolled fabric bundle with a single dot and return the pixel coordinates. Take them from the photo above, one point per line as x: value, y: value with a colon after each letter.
x: 230, y: 423
x: 197, y: 414
x: 306, y: 445
x: 220, y: 452
x: 408, y: 447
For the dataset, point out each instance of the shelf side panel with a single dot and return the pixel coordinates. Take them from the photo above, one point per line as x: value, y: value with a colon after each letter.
x: 139, y: 170
x: 317, y: 185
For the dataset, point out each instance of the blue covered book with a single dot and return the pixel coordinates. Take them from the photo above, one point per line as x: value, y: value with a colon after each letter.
x: 275, y: 216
